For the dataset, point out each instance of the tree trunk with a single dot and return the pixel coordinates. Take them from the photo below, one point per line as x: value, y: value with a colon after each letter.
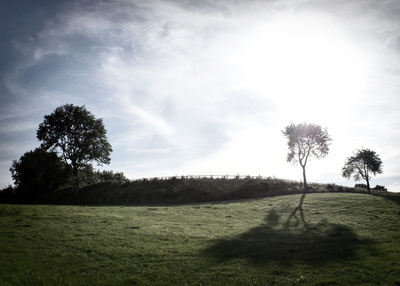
x: 366, y: 176
x: 76, y: 183
x: 304, y: 179
x: 368, y: 188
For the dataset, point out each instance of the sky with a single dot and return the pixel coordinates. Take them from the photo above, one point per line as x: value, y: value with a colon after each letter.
x: 189, y: 87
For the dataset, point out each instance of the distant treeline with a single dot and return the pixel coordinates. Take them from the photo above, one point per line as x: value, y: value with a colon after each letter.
x: 60, y: 171
x: 173, y: 190
x: 37, y: 189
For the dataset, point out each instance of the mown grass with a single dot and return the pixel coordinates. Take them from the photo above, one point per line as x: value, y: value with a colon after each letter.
x: 316, y: 239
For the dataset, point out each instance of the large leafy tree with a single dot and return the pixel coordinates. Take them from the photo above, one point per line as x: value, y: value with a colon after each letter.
x: 77, y: 135
x: 305, y: 141
x: 362, y: 165
x: 38, y: 173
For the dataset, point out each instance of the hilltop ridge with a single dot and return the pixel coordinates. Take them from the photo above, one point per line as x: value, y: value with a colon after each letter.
x: 185, y: 189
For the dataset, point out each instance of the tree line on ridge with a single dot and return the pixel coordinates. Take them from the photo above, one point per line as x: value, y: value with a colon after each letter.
x: 73, y: 138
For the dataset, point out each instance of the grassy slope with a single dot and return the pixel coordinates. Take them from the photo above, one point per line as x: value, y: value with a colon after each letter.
x: 319, y: 239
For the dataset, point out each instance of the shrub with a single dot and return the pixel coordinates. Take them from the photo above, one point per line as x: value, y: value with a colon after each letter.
x: 380, y: 188
x: 7, y: 195
x: 361, y: 186
x: 38, y: 173
x: 330, y: 187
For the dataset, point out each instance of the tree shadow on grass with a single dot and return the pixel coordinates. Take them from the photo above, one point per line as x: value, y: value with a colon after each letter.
x: 393, y: 198
x: 291, y: 241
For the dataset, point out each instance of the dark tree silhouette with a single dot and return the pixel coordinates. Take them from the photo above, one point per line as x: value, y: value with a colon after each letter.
x: 362, y: 165
x: 7, y: 195
x: 305, y: 141
x: 38, y: 173
x: 77, y: 135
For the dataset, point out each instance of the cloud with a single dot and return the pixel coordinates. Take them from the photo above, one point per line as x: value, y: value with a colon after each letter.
x: 201, y: 86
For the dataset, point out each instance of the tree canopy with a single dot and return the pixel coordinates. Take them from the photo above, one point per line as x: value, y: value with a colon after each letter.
x: 304, y: 141
x: 76, y: 135
x: 362, y: 165
x: 37, y: 173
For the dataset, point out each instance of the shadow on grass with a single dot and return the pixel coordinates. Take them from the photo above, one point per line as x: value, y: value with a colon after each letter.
x: 394, y: 198
x: 291, y: 241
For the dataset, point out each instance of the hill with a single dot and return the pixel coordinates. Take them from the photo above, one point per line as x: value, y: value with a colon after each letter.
x: 177, y: 190
x: 312, y: 239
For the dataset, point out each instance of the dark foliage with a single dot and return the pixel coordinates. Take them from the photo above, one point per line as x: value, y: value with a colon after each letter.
x: 77, y: 135
x: 87, y: 176
x: 36, y: 174
x: 361, y: 186
x: 380, y: 188
x: 362, y: 165
x: 107, y: 175
x: 177, y: 190
x: 376, y: 188
x: 7, y: 195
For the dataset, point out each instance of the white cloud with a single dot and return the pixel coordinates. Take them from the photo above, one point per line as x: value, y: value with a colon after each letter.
x: 207, y: 87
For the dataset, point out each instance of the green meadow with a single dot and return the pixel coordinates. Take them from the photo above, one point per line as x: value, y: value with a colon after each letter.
x: 312, y: 239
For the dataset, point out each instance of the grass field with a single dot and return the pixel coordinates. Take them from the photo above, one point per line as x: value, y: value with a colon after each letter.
x: 313, y: 239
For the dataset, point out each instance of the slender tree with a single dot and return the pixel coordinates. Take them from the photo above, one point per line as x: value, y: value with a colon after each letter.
x: 77, y: 135
x: 305, y: 141
x: 362, y: 165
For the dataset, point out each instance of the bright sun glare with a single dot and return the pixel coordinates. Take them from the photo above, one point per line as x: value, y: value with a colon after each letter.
x: 305, y: 60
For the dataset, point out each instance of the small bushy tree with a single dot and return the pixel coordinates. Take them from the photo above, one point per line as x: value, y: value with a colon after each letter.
x: 305, y: 141
x: 107, y: 175
x: 87, y: 175
x: 362, y: 165
x: 7, y: 195
x: 380, y: 188
x: 38, y: 173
